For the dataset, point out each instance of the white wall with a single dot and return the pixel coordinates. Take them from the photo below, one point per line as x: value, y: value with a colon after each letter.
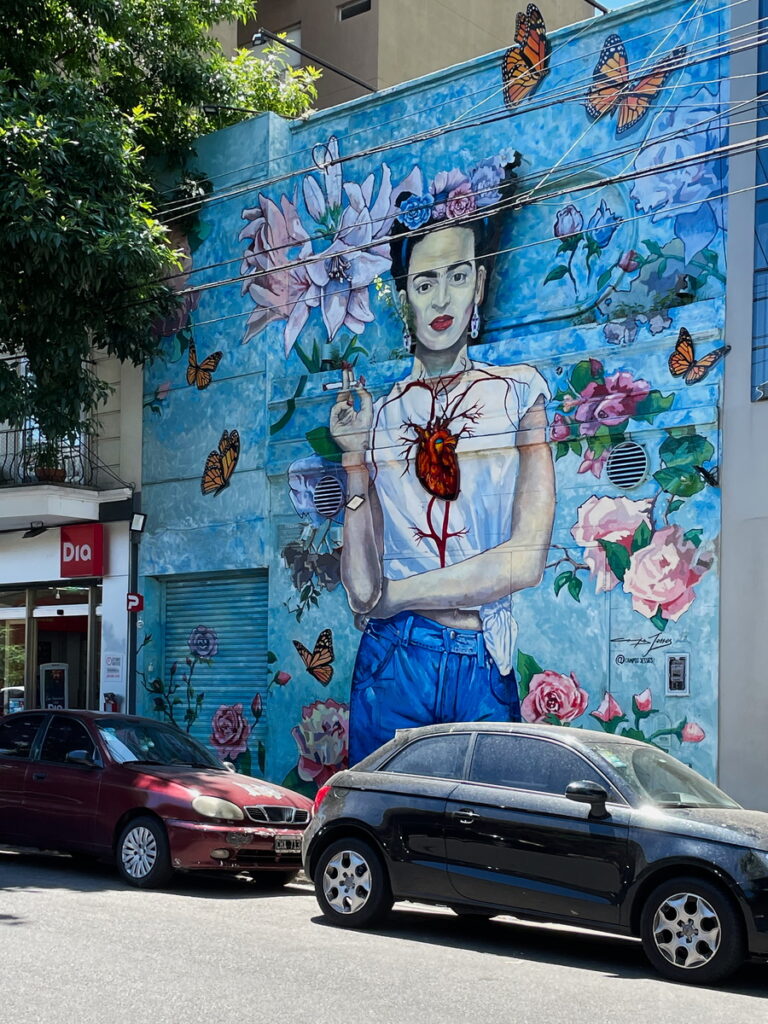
x: 744, y: 482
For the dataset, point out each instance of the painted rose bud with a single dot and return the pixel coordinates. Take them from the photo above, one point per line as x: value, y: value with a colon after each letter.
x: 561, y: 428
x: 281, y: 678
x: 257, y: 707
x: 643, y: 702
x: 692, y: 733
x: 608, y: 711
x: 602, y: 224
x: 568, y: 222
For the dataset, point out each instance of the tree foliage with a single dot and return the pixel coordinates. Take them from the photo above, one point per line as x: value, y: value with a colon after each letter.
x: 96, y: 98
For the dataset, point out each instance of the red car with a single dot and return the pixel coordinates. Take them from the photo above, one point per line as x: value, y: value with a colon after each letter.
x: 143, y: 793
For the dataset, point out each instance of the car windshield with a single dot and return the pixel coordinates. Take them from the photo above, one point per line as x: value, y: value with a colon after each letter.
x: 129, y: 740
x: 659, y: 778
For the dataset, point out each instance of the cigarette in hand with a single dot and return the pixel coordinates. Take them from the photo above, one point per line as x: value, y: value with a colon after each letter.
x: 337, y: 385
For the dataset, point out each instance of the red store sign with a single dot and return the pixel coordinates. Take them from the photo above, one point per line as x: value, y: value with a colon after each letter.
x: 82, y: 550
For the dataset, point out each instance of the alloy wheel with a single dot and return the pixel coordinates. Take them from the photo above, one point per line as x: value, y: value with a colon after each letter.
x: 139, y: 852
x: 686, y: 930
x: 347, y: 882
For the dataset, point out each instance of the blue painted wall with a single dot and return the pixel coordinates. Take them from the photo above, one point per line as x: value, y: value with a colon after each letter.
x: 602, y: 271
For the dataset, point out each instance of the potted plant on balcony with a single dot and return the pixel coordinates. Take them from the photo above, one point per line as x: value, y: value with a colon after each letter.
x: 46, y: 458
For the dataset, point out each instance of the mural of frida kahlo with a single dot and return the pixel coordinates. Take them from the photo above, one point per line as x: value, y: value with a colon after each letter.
x: 457, y: 483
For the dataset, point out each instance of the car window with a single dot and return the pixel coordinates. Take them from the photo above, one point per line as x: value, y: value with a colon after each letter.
x: 526, y: 762
x: 17, y: 735
x: 438, y: 757
x: 63, y: 736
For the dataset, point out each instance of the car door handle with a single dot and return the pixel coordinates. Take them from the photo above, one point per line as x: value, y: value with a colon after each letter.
x: 465, y: 816
x: 39, y: 776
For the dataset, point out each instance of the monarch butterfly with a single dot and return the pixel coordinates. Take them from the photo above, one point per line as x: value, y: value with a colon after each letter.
x: 526, y: 62
x: 201, y: 373
x: 220, y: 465
x: 318, y: 661
x: 612, y: 90
x: 682, y: 362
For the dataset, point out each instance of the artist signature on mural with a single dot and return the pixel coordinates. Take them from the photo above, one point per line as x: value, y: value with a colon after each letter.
x: 651, y: 643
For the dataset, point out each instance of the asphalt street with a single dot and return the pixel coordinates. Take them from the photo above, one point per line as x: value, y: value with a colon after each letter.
x: 77, y: 946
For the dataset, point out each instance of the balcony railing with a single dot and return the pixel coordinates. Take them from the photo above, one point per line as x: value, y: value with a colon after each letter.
x: 75, y: 464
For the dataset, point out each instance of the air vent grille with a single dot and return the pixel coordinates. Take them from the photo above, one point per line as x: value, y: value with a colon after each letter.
x: 627, y: 465
x: 328, y: 497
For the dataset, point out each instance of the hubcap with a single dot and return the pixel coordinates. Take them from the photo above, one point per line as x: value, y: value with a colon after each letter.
x: 347, y: 882
x: 139, y: 852
x: 686, y: 930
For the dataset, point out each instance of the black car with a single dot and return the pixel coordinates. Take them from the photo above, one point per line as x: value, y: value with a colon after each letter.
x: 551, y: 824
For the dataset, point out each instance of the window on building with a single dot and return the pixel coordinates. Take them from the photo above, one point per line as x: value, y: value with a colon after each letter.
x: 352, y: 9
x: 760, y: 285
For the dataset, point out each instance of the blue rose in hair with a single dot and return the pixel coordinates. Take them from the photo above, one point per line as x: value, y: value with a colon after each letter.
x: 415, y: 211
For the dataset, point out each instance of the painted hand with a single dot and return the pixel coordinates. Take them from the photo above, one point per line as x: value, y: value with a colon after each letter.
x: 351, y: 427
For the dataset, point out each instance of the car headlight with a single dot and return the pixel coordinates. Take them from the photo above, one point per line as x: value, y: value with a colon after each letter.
x: 213, y: 807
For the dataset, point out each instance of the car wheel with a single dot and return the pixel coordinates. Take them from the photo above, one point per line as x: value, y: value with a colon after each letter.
x: 351, y: 884
x: 142, y: 853
x: 692, y: 931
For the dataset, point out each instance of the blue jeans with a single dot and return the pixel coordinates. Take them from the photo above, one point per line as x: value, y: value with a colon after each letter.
x: 413, y: 671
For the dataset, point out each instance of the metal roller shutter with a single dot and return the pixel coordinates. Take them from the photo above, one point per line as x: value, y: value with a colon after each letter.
x: 235, y: 608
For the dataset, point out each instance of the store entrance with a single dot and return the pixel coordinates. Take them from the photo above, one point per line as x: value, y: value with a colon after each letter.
x: 50, y: 640
x: 62, y: 658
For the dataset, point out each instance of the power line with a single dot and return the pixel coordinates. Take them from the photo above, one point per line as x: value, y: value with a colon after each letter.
x: 572, y: 168
x: 526, y: 245
x: 177, y: 211
x: 717, y: 153
x: 588, y: 26
x: 452, y: 125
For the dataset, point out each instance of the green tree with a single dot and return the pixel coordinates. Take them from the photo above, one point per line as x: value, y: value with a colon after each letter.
x: 99, y: 99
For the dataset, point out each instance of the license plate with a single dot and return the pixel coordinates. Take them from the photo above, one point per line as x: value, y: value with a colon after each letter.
x: 287, y: 844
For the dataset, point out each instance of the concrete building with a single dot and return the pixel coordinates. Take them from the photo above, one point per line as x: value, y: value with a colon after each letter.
x: 619, y: 572
x: 385, y: 42
x: 66, y: 555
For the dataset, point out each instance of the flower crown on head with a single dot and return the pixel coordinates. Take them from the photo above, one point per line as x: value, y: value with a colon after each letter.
x: 455, y: 194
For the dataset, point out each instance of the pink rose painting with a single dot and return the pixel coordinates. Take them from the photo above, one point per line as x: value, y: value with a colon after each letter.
x: 229, y: 731
x: 610, y: 519
x: 609, y: 403
x: 552, y: 694
x: 322, y: 737
x: 661, y: 576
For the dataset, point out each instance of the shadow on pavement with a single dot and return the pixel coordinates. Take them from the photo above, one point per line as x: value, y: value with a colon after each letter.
x: 505, y: 936
x: 34, y: 870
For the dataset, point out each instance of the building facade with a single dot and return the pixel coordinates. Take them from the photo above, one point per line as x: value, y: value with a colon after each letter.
x: 441, y: 439
x: 385, y: 42
x: 66, y: 556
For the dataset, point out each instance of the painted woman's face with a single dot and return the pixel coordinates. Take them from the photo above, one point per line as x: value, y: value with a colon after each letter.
x: 443, y: 286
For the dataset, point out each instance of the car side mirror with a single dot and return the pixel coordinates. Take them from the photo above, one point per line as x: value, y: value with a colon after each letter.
x: 81, y: 757
x: 589, y: 793
x: 229, y: 766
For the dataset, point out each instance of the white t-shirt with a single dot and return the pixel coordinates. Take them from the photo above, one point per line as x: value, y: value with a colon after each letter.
x: 422, y: 532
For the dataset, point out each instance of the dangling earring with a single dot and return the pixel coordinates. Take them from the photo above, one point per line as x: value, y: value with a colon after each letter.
x: 407, y: 339
x: 474, y: 323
